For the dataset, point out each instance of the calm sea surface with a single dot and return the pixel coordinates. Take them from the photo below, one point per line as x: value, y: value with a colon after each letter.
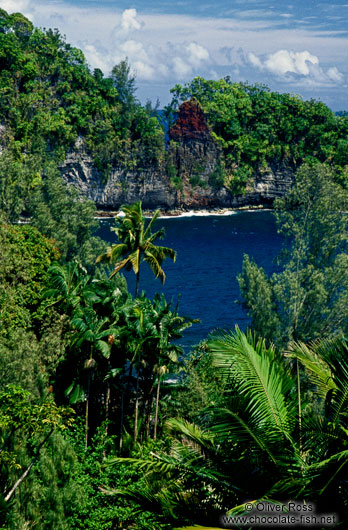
x: 210, y: 252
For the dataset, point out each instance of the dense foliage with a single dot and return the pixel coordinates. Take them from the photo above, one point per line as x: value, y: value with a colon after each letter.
x: 103, y: 424
x: 258, y: 129
x: 307, y: 298
x: 49, y: 97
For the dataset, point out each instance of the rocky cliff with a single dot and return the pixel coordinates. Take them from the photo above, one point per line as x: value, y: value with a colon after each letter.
x: 189, y: 178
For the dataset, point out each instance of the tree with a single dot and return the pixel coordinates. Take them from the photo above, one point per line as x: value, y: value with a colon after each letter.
x: 27, y: 424
x: 307, y: 298
x: 25, y: 258
x: 59, y: 212
x: 124, y: 82
x: 136, y: 244
x: 91, y: 332
x: 18, y: 174
x: 68, y: 286
x: 170, y: 327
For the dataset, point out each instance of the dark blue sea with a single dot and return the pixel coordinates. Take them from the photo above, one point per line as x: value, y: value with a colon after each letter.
x: 210, y: 252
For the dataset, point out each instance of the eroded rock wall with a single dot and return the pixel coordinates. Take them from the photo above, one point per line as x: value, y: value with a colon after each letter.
x: 184, y: 181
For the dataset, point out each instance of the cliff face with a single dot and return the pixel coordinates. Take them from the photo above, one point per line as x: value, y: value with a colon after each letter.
x: 188, y: 179
x: 151, y: 186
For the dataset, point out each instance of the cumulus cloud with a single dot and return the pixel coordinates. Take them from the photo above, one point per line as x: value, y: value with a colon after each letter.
x: 181, y: 67
x: 18, y: 6
x: 95, y: 55
x: 254, y: 60
x: 197, y: 54
x: 284, y: 61
x: 335, y: 74
x: 166, y: 61
x: 292, y: 65
x: 129, y: 20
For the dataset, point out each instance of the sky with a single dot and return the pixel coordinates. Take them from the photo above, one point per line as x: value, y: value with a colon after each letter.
x: 298, y: 46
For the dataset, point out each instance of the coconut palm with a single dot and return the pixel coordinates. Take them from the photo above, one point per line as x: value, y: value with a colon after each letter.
x: 95, y: 336
x: 136, y: 244
x: 170, y: 327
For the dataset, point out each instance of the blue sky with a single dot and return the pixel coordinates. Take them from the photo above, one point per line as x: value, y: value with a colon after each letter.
x: 292, y: 46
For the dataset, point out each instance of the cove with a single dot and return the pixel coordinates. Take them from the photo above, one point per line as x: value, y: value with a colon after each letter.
x: 210, y: 253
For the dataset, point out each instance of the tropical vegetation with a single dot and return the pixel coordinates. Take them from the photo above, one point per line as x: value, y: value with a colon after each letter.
x: 136, y: 244
x: 258, y: 130
x: 105, y: 423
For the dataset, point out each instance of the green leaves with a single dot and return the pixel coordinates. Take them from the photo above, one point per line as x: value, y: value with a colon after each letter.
x: 264, y: 387
x: 136, y: 244
x: 306, y: 299
x: 258, y: 129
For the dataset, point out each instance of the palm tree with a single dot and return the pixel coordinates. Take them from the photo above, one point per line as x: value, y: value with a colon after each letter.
x: 170, y: 327
x: 136, y: 244
x: 140, y: 333
x: 69, y: 285
x: 96, y: 337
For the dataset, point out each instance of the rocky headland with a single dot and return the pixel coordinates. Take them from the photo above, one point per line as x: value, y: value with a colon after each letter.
x: 183, y: 181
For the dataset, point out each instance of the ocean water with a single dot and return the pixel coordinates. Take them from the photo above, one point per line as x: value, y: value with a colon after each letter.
x: 210, y: 253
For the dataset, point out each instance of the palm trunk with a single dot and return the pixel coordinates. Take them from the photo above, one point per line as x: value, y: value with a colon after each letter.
x: 107, y: 402
x: 128, y: 386
x: 122, y: 420
x: 87, y: 408
x: 107, y: 407
x: 136, y: 411
x: 137, y: 284
x: 148, y: 414
x: 157, y: 405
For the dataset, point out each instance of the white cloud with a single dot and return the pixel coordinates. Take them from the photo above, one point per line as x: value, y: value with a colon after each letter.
x: 292, y: 65
x: 15, y: 6
x: 164, y: 61
x: 197, y: 54
x: 181, y: 68
x: 149, y: 60
x: 144, y: 71
x: 335, y: 74
x: 18, y: 6
x: 134, y: 50
x: 254, y: 60
x: 284, y: 61
x: 95, y: 57
x: 129, y: 20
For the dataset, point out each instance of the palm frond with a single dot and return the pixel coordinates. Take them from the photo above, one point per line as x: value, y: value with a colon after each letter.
x: 134, y: 258
x: 155, y: 266
x: 318, y: 370
x: 256, y: 375
x: 190, y: 431
x: 120, y: 266
x: 104, y: 348
x: 152, y: 221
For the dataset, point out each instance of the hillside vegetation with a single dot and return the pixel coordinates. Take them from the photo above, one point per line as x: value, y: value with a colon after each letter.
x: 50, y: 99
x: 258, y: 129
x: 105, y: 424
